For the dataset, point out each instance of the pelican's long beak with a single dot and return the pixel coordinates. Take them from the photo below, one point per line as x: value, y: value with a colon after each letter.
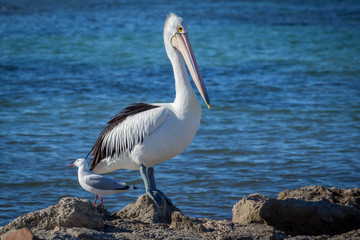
x: 71, y: 165
x: 182, y: 43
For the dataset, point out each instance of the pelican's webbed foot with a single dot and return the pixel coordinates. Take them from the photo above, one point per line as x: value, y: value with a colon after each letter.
x: 158, y: 197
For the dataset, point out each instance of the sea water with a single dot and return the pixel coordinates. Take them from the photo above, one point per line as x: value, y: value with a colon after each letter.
x: 283, y: 78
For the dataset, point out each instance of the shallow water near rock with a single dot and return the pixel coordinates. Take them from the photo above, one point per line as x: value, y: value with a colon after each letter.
x: 283, y: 79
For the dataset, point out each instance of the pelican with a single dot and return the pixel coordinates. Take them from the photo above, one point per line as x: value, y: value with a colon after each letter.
x: 143, y: 135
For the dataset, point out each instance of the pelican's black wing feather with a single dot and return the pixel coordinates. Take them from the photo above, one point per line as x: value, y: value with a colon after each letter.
x: 97, y: 150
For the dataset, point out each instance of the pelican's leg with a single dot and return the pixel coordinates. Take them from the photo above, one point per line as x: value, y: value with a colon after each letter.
x: 150, y: 173
x: 101, y: 199
x: 150, y: 187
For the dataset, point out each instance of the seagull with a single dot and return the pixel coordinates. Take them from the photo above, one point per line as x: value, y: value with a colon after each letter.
x: 143, y: 135
x: 97, y: 184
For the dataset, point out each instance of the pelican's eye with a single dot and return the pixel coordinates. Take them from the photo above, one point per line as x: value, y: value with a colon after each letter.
x: 180, y: 29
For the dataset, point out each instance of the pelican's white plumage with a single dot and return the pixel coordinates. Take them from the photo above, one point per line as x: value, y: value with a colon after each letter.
x: 143, y: 135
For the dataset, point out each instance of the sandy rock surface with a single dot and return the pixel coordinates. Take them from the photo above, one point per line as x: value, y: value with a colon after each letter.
x: 314, y: 210
x: 346, y: 197
x: 69, y: 212
x: 146, y: 211
x: 255, y: 217
x: 21, y: 234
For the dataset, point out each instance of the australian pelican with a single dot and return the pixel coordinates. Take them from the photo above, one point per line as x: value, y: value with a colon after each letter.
x: 143, y: 135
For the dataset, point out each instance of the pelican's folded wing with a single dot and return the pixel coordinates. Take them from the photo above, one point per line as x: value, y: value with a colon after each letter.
x: 130, y: 127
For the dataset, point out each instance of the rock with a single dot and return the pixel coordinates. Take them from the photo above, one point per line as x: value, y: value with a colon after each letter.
x: 127, y: 229
x: 297, y: 216
x: 247, y: 210
x: 103, y: 212
x: 21, y: 234
x: 180, y: 221
x: 311, y: 218
x: 267, y: 216
x: 69, y: 212
x: 72, y: 234
x: 347, y: 197
x: 146, y: 211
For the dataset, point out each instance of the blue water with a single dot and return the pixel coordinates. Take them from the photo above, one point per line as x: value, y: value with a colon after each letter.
x: 283, y: 78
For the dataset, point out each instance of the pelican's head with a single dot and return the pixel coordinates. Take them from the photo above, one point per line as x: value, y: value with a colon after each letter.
x: 79, y: 162
x: 176, y: 36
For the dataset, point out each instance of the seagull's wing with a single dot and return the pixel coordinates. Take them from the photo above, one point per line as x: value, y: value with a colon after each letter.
x: 104, y: 183
x: 127, y: 129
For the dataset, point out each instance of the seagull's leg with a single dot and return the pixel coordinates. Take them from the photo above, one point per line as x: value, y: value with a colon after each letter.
x: 101, y: 199
x: 150, y: 173
x: 150, y: 190
x: 96, y: 197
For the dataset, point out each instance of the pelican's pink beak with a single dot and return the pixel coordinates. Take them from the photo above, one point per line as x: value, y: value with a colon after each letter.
x: 71, y: 165
x: 182, y: 43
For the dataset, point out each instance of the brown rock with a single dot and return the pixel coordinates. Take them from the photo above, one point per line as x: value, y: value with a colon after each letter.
x: 69, y: 212
x: 284, y: 214
x: 247, y: 210
x: 311, y: 218
x: 146, y: 211
x: 21, y: 234
x: 182, y: 222
x: 297, y: 216
x: 347, y: 197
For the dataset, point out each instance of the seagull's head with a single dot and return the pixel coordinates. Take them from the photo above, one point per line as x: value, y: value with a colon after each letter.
x: 79, y: 162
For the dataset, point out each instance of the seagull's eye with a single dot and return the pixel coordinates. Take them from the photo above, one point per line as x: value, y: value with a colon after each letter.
x: 180, y: 29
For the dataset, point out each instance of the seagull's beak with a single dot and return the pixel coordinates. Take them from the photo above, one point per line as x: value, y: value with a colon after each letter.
x: 71, y: 165
x: 182, y: 43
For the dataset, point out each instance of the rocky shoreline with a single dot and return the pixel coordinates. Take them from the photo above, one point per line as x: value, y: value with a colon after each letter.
x: 312, y: 212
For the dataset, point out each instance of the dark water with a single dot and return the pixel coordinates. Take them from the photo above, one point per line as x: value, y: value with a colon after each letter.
x: 283, y: 79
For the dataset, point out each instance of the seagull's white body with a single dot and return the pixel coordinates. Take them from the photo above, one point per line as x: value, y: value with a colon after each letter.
x: 97, y: 184
x: 144, y: 135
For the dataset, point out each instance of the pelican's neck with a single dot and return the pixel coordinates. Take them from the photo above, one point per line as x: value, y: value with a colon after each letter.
x: 185, y: 95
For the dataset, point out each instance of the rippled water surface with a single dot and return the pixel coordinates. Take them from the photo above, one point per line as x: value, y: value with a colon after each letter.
x: 283, y: 79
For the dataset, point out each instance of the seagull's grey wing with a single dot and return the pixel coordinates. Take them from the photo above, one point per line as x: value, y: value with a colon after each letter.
x: 104, y: 183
